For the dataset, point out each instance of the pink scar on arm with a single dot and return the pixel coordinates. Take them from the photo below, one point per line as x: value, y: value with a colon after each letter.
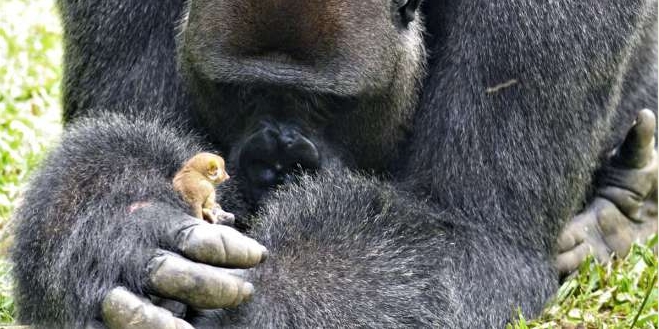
x: 138, y: 205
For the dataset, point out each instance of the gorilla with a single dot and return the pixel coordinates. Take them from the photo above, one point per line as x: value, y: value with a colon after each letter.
x: 398, y: 163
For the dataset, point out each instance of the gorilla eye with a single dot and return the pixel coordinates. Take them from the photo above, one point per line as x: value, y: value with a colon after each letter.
x: 407, y: 10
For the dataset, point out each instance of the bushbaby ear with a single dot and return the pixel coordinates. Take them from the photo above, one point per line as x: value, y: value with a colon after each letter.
x: 212, y: 167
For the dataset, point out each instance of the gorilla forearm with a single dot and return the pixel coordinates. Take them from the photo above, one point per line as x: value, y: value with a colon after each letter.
x: 624, y: 208
x: 521, y: 154
x: 76, y: 237
x: 351, y: 250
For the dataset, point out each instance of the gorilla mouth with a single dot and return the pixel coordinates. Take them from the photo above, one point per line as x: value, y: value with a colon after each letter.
x: 276, y: 72
x: 281, y: 70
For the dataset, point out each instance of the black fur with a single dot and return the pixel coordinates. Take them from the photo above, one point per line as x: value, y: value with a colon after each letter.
x: 78, y: 227
x: 520, y: 100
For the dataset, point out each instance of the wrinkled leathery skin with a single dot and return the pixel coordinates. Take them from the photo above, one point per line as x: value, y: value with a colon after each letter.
x: 123, y: 309
x: 624, y: 209
x: 195, y: 284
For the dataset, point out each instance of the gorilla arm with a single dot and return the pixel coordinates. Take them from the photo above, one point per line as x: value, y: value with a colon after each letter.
x: 625, y: 207
x: 510, y: 129
x: 365, y: 256
x: 102, y: 213
x: 351, y: 250
x: 387, y: 250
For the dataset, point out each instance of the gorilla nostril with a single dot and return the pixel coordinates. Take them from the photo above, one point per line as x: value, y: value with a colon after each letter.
x: 288, y: 138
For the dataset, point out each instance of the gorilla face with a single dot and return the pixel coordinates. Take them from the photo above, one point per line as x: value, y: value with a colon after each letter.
x: 342, y: 47
x: 287, y: 85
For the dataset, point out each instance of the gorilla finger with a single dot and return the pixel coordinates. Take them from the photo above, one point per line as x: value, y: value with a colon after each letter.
x: 649, y: 209
x: 620, y: 234
x: 626, y: 201
x: 566, y: 240
x: 621, y: 242
x: 569, y: 261
x: 177, y: 308
x: 638, y: 148
x: 574, y: 232
x: 220, y: 245
x: 123, y: 309
x: 648, y: 223
x: 610, y: 220
x: 198, y: 285
x: 627, y: 188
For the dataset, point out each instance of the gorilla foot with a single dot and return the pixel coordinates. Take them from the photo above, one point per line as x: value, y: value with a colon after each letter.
x: 625, y: 208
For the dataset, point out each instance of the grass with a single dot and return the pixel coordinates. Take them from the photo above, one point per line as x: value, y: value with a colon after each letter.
x: 608, y: 296
x: 621, y: 294
x: 30, y: 72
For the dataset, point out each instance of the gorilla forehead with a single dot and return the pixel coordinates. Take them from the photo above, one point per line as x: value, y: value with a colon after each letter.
x: 342, y: 47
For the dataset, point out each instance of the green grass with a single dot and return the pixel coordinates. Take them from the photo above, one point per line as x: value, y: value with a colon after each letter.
x: 615, y: 295
x: 30, y: 70
x: 30, y: 73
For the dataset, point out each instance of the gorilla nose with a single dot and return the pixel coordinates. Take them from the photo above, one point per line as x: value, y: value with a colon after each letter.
x: 272, y: 156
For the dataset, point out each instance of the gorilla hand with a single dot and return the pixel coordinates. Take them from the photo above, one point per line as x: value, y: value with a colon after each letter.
x: 193, y: 280
x: 625, y: 207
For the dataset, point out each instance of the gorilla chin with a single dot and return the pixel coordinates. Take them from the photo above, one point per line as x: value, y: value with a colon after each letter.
x: 296, y: 79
